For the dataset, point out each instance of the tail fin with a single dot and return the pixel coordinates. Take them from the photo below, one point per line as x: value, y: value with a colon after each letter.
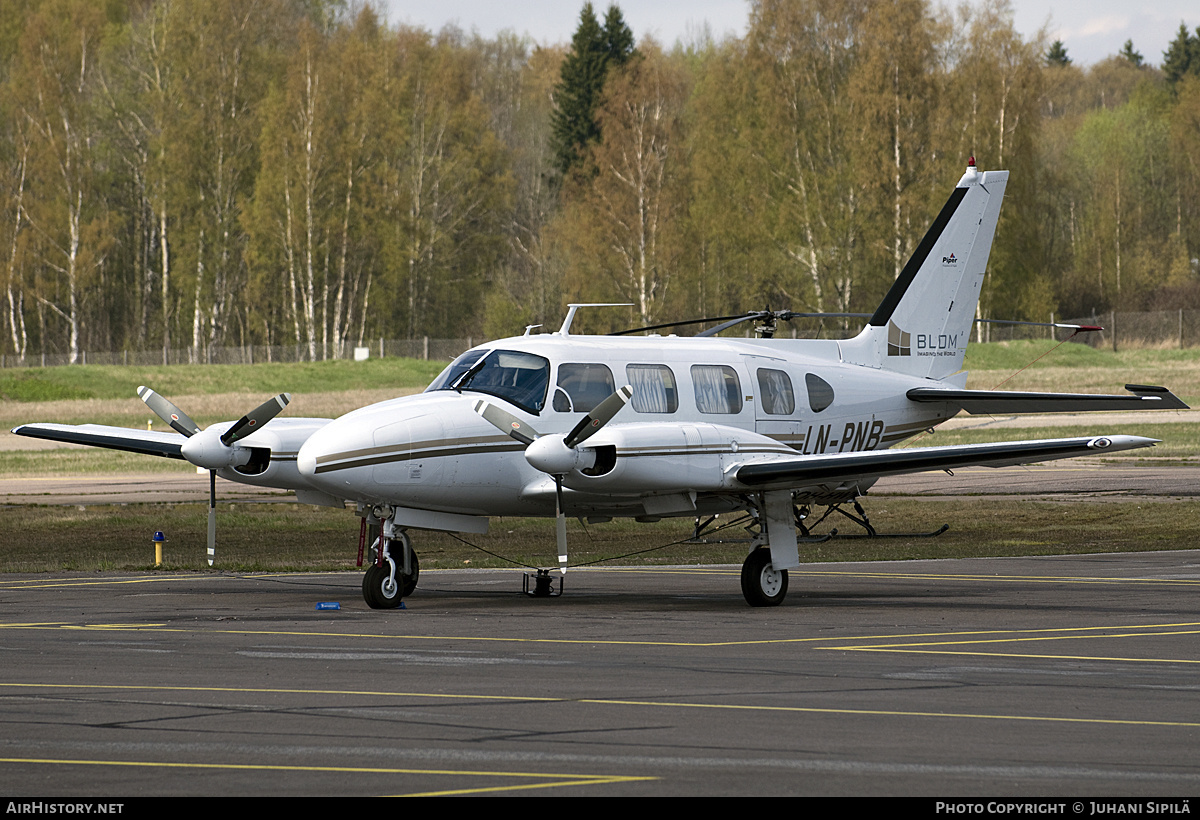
x: 923, y: 324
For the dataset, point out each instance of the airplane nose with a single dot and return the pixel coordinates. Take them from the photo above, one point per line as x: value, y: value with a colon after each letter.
x: 397, y: 449
x: 324, y: 448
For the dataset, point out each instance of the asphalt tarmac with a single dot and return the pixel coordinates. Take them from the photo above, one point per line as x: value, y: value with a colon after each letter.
x: 1035, y: 677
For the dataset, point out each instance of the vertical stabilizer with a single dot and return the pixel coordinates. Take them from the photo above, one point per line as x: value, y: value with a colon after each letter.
x: 924, y: 323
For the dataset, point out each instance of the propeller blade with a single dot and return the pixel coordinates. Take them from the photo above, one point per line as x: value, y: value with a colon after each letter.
x: 182, y: 423
x: 212, y: 516
x: 256, y: 418
x: 168, y: 412
x: 560, y: 526
x: 601, y: 415
x: 506, y: 422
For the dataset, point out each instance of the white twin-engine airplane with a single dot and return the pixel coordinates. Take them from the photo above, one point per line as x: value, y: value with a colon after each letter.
x: 651, y: 426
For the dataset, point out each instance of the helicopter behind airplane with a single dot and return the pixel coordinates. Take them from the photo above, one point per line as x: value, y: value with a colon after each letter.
x: 670, y: 426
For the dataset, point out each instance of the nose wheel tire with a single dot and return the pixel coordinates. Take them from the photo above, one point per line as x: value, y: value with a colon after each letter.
x: 762, y: 584
x: 380, y: 592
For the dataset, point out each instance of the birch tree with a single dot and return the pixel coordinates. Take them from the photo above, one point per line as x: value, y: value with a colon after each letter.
x: 451, y: 190
x: 52, y: 80
x: 628, y: 217
x: 895, y: 83
x: 805, y: 117
x: 219, y: 50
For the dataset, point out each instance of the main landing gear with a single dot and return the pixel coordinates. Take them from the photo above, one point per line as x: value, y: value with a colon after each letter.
x: 393, y: 571
x: 774, y: 547
x: 773, y: 550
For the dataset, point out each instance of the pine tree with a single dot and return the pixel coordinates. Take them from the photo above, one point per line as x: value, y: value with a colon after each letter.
x: 577, y: 94
x: 1134, y: 57
x: 618, y: 39
x: 1182, y: 56
x: 1057, y: 54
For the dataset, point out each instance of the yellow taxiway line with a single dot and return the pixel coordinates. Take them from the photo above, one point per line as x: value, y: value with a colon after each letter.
x: 651, y: 704
x: 553, y: 779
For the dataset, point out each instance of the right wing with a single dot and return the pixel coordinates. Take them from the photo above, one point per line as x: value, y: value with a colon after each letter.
x: 146, y: 442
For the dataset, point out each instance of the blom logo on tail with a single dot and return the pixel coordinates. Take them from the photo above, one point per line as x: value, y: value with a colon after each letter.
x: 899, y: 341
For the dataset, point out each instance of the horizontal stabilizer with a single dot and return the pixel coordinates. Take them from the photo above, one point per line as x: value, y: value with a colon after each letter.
x: 975, y: 402
x: 836, y: 467
x: 146, y: 442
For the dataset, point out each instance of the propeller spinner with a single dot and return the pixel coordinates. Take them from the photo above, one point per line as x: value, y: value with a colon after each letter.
x: 555, y: 453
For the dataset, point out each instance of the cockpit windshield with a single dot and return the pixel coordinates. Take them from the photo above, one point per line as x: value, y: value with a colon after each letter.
x: 455, y: 370
x: 520, y: 378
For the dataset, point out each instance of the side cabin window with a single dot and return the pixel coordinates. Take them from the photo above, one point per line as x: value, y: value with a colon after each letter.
x: 520, y: 378
x: 820, y: 392
x: 582, y: 386
x: 717, y: 387
x: 775, y: 392
x: 654, y: 388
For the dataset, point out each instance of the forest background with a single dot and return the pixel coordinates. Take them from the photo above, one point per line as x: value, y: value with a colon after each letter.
x: 202, y: 173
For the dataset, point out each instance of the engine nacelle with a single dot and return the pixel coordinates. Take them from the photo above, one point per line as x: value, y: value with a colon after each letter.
x: 267, y: 457
x: 639, y: 458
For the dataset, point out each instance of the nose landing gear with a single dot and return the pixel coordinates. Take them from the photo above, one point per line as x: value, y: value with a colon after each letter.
x: 392, y: 574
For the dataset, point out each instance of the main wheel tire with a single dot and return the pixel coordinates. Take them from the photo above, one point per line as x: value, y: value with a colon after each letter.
x: 762, y: 584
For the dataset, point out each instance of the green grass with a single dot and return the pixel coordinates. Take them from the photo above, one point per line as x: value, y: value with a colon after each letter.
x: 293, y: 537
x: 1078, y: 368
x: 120, y: 382
x: 988, y: 363
x: 24, y: 385
x: 72, y: 460
x: 1014, y: 355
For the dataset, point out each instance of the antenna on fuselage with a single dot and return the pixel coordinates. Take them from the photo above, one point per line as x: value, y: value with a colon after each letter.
x: 565, y: 330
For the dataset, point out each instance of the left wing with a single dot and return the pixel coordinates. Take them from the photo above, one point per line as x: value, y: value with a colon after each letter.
x: 836, y: 467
